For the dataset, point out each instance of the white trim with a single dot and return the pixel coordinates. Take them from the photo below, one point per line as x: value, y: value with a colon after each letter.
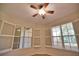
x: 7, y: 35
x: 6, y: 50
x: 13, y: 37
x: 1, y: 26
x: 36, y: 46
x: 9, y: 22
x: 21, y: 39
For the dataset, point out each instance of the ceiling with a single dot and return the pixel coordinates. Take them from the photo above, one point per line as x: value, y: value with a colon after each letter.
x: 22, y: 11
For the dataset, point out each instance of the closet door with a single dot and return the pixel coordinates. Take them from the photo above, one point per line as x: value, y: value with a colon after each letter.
x: 27, y: 43
x: 17, y: 37
x: 27, y: 38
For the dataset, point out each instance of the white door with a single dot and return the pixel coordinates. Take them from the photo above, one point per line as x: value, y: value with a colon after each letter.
x: 27, y: 38
x: 27, y: 43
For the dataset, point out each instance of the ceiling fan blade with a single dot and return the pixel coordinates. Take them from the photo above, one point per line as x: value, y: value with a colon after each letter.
x: 32, y: 6
x: 45, y: 4
x: 50, y: 12
x: 43, y: 16
x: 34, y: 15
x: 40, y: 6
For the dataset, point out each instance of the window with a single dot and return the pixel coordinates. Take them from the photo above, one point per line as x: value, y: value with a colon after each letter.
x: 69, y: 36
x: 56, y: 36
x: 64, y: 36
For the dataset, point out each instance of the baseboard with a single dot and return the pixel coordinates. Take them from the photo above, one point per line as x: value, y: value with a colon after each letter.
x: 4, y: 51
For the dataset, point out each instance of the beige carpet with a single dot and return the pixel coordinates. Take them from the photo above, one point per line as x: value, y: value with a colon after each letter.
x: 40, y: 55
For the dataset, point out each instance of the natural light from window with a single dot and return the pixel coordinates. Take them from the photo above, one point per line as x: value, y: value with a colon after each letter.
x: 63, y: 36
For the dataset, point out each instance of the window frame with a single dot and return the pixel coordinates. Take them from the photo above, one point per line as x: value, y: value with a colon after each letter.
x: 62, y: 37
x: 56, y: 37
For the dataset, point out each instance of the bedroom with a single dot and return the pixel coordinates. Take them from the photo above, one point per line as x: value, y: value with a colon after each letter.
x: 54, y: 34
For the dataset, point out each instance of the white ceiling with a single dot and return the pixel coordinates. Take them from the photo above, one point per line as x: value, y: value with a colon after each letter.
x: 22, y: 12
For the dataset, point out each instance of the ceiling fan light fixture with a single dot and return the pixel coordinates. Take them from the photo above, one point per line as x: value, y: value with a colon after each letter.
x: 41, y: 11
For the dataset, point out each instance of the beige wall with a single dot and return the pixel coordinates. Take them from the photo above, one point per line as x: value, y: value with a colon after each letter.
x: 5, y: 42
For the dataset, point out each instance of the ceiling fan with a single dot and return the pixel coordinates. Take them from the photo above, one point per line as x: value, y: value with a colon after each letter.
x: 41, y: 8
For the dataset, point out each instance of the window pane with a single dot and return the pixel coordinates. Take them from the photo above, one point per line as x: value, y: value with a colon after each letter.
x: 71, y: 32
x: 59, y: 41
x: 69, y: 26
x: 64, y: 29
x: 66, y: 42
x: 70, y: 29
x: 55, y: 41
x: 72, y: 39
x: 58, y: 31
x: 54, y: 31
x: 54, y: 34
x: 73, y: 42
